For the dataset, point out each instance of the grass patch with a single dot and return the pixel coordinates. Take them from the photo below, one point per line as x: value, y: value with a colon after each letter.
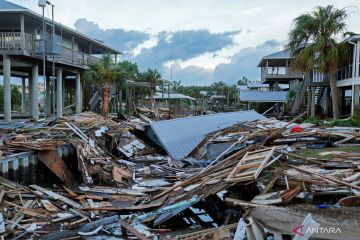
x: 314, y: 153
x: 353, y: 121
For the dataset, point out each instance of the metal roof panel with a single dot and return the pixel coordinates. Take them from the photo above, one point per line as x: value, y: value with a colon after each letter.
x: 180, y: 136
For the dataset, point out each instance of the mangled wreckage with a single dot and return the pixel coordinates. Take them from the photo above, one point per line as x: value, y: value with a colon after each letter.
x: 220, y: 176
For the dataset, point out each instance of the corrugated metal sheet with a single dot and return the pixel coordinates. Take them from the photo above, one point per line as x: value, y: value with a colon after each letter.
x: 180, y: 136
x: 262, y: 96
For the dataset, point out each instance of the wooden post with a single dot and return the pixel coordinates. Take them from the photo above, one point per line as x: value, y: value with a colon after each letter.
x: 313, y: 103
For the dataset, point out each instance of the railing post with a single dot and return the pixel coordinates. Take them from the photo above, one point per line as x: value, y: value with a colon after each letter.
x: 22, y: 32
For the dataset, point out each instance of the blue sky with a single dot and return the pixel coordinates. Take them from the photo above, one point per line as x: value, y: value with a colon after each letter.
x: 203, y: 40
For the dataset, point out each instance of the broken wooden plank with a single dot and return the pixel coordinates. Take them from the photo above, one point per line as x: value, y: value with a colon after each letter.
x: 48, y: 205
x: 132, y: 230
x: 57, y: 196
x: 56, y: 164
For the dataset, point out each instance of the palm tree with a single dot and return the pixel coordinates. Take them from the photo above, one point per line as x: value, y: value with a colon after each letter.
x: 315, y: 42
x: 153, y: 77
x: 176, y: 85
x: 103, y: 72
x: 127, y: 71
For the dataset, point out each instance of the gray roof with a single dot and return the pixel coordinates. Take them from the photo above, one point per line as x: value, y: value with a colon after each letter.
x: 263, y: 96
x: 281, y: 54
x: 284, y: 54
x: 9, y: 5
x: 180, y: 136
x: 257, y: 85
x: 6, y: 6
x: 354, y: 37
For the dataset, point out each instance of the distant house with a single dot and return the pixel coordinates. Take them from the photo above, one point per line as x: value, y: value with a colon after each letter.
x: 275, y: 69
x: 173, y: 96
x: 217, y: 99
x: 312, y: 89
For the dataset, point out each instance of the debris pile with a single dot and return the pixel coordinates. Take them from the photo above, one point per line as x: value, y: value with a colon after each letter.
x: 222, y: 176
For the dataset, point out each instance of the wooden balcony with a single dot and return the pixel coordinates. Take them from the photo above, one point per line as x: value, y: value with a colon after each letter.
x: 13, y: 43
x: 281, y: 74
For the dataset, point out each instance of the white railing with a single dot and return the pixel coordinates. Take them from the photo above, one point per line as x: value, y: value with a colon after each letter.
x: 11, y: 41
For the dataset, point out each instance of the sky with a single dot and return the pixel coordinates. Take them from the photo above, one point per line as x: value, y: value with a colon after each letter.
x: 202, y: 41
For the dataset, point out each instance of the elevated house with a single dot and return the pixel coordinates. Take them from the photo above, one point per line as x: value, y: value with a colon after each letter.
x: 312, y: 89
x: 23, y: 48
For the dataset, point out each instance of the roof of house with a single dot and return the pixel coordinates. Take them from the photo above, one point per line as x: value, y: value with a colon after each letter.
x: 217, y: 97
x: 6, y: 6
x: 283, y: 54
x: 181, y: 135
x: 173, y: 96
x: 9, y: 5
x: 352, y: 38
x: 257, y: 85
x: 263, y: 96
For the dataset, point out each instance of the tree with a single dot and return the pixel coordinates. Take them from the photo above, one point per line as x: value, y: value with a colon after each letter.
x: 127, y: 71
x: 315, y: 42
x: 243, y: 81
x: 105, y: 73
x: 176, y: 85
x: 15, y: 97
x: 153, y: 77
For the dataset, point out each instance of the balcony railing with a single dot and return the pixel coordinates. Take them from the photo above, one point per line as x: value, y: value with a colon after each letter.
x: 319, y: 77
x: 279, y: 72
x: 11, y: 41
x: 345, y: 72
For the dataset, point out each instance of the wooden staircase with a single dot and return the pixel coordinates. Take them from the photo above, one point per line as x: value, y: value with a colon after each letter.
x: 316, y: 81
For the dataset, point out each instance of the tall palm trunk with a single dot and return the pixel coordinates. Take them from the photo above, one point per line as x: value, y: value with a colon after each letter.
x: 105, y: 99
x: 335, y: 95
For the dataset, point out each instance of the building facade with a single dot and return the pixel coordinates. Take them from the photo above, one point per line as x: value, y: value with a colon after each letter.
x: 33, y: 50
x: 312, y: 89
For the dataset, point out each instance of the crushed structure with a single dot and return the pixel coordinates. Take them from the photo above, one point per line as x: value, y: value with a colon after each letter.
x: 222, y: 176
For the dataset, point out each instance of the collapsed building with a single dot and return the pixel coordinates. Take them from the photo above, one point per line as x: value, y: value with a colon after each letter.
x: 220, y: 176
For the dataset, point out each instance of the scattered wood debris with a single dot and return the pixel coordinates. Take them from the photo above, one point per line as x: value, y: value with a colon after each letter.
x: 111, y: 177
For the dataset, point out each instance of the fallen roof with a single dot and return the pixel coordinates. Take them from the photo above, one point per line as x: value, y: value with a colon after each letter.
x: 263, y: 96
x: 180, y: 136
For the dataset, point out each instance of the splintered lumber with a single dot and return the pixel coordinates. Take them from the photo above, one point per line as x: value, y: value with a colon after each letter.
x: 24, y: 210
x: 19, y: 216
x: 48, y: 205
x: 210, y: 233
x: 327, y: 178
x: 251, y: 165
x: 132, y: 230
x: 215, y: 167
x: 57, y: 196
x: 57, y: 165
x: 278, y: 131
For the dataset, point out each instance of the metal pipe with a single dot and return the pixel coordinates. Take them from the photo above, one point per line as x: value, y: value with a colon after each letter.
x: 353, y: 77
